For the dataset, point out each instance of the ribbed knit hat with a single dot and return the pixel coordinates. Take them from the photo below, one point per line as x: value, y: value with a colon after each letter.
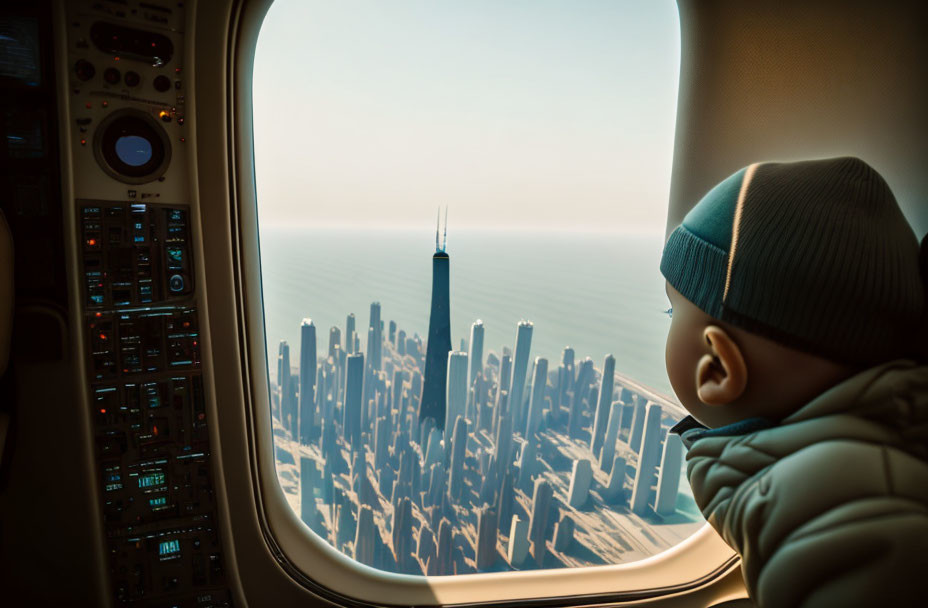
x: 815, y: 255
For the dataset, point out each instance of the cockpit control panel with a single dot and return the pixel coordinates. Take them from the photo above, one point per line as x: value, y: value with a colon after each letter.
x: 151, y: 440
x: 132, y: 221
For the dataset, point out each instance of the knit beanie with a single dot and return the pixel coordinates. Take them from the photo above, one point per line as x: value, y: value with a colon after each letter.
x: 815, y: 255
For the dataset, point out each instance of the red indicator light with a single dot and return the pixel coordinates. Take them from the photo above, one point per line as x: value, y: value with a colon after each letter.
x: 201, y: 416
x: 88, y: 105
x: 182, y: 140
x: 177, y: 70
x: 102, y: 410
x: 154, y: 429
x: 116, y: 58
x: 105, y: 104
x: 92, y: 242
x: 186, y: 323
x: 194, y: 342
x: 98, y: 315
x: 103, y: 336
x: 83, y: 142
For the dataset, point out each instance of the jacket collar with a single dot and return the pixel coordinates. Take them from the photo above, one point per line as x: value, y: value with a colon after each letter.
x: 879, y: 386
x: 690, y: 430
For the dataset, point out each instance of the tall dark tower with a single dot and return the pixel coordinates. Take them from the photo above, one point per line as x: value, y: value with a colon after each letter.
x: 432, y: 404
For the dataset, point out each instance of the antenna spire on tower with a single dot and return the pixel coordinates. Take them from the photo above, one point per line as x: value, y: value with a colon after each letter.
x: 444, y: 241
x: 437, y: 226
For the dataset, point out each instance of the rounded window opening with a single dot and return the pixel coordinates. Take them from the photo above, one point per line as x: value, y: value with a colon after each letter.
x: 484, y: 390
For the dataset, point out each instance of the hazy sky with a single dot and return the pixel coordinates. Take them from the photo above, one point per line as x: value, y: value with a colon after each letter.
x: 533, y: 113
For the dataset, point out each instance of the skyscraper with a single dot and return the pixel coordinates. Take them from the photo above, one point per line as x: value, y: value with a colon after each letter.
x: 605, y: 400
x: 364, y: 537
x: 519, y: 370
x: 350, y: 329
x: 537, y: 396
x: 668, y: 480
x: 541, y: 504
x: 607, y: 453
x: 375, y: 340
x: 581, y: 478
x: 648, y: 457
x: 457, y: 390
x: 307, y: 380
x: 283, y: 382
x: 486, y: 537
x: 458, y: 448
x: 432, y: 404
x: 476, y: 351
x: 354, y: 378
x: 335, y: 336
x: 637, y: 425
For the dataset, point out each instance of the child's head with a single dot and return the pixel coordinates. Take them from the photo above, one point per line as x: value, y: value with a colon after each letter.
x: 785, y: 279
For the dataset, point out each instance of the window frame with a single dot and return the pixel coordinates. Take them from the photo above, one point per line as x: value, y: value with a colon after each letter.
x: 311, y: 562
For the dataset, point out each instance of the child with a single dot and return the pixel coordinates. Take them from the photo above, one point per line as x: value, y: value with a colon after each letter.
x: 797, y: 301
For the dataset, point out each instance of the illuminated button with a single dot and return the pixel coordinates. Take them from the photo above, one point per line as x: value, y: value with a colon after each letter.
x: 162, y: 83
x: 176, y: 283
x: 84, y: 70
x: 132, y: 79
x: 111, y: 75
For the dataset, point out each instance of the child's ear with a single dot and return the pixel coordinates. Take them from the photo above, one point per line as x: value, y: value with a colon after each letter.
x: 721, y: 374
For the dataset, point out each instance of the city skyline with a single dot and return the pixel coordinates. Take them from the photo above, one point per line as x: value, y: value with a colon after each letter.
x: 521, y: 473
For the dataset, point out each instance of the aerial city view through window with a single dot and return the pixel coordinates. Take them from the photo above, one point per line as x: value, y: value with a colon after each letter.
x: 488, y: 396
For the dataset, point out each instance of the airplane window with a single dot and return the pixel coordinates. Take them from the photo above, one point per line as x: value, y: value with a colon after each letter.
x: 484, y: 390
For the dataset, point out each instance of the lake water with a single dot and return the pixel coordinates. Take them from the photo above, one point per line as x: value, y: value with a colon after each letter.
x: 599, y: 293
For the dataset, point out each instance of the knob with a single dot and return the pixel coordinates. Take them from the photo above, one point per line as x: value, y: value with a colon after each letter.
x: 176, y: 283
x: 132, y: 79
x: 84, y: 70
x: 111, y: 75
x: 162, y: 83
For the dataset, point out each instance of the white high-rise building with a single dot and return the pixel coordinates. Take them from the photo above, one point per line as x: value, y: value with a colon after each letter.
x: 475, y: 360
x: 537, y: 396
x: 668, y: 481
x: 648, y: 458
x: 456, y: 392
x: 519, y: 370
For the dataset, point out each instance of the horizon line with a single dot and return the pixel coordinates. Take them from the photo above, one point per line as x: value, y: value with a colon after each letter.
x: 626, y: 229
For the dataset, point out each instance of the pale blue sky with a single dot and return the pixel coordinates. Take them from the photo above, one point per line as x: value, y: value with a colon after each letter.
x: 534, y: 113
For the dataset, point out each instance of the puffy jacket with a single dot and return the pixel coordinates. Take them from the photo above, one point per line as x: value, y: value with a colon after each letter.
x: 828, y: 508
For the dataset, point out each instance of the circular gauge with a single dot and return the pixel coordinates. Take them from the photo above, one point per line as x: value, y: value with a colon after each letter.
x: 131, y: 146
x: 111, y: 75
x: 162, y: 83
x: 84, y: 70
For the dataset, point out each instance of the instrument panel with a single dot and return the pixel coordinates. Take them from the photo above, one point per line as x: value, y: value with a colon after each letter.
x: 150, y: 425
x: 131, y: 187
